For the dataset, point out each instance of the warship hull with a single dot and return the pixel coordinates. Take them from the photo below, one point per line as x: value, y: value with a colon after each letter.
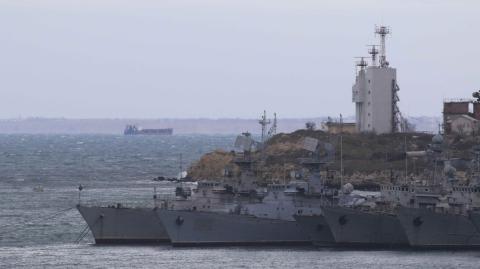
x: 428, y: 229
x: 316, y: 229
x: 123, y: 225
x: 475, y: 218
x: 193, y: 228
x: 364, y: 229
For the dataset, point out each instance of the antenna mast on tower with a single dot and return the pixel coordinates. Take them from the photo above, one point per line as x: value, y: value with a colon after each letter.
x: 362, y: 63
x: 382, y: 31
x: 374, y: 52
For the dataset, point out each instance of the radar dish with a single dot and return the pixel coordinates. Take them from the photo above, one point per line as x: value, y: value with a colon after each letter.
x: 310, y: 144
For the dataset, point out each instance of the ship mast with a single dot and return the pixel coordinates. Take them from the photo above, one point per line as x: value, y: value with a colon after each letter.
x: 264, y: 122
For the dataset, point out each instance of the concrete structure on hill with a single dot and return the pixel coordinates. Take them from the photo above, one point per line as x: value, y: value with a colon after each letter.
x: 341, y: 127
x: 338, y: 126
x: 461, y: 117
x: 375, y: 92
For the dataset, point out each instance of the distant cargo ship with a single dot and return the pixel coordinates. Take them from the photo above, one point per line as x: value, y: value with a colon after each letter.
x: 134, y: 130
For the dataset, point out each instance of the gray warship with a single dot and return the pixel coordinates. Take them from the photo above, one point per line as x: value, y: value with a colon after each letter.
x: 449, y: 216
x: 118, y: 223
x: 443, y: 220
x: 361, y: 226
x: 428, y: 228
x: 265, y: 222
x: 268, y: 221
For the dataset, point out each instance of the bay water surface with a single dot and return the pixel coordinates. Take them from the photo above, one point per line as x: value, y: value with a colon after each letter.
x: 39, y: 226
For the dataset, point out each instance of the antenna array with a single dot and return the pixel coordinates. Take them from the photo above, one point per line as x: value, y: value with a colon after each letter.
x: 382, y: 31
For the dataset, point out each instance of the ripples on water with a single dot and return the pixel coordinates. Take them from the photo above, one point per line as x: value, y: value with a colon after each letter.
x: 119, y: 169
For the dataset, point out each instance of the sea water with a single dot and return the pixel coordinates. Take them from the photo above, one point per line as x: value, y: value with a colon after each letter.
x: 39, y: 226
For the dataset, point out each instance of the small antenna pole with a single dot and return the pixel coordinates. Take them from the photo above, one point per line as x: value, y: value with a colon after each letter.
x: 80, y: 188
x: 341, y: 161
x: 181, y: 163
x: 155, y: 196
x: 406, y: 161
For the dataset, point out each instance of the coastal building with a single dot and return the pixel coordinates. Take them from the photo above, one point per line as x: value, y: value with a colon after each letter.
x: 338, y: 126
x: 375, y: 91
x: 341, y: 127
x: 461, y: 117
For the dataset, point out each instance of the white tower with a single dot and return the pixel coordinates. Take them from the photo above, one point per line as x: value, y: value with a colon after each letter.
x: 375, y: 92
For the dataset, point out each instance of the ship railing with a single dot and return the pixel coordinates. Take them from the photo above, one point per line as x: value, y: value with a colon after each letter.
x: 131, y: 203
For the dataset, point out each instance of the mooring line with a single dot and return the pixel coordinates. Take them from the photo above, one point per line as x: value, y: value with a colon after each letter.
x: 82, y: 234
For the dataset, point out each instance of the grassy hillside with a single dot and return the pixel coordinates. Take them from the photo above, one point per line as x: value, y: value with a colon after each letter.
x: 368, y: 159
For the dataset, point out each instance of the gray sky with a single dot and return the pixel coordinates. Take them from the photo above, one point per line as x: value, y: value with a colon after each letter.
x: 193, y: 58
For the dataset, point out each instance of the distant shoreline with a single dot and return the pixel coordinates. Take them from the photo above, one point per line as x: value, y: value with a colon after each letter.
x: 180, y: 126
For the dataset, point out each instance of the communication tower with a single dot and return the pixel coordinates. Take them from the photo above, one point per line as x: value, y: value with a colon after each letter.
x: 375, y: 91
x: 382, y: 31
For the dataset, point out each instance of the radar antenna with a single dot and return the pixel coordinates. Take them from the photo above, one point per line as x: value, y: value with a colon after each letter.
x: 374, y: 52
x: 361, y: 64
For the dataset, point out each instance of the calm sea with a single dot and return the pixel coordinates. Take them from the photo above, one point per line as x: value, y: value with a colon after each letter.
x: 39, y: 179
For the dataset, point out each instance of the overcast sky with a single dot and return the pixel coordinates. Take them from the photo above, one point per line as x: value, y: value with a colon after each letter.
x: 215, y: 59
